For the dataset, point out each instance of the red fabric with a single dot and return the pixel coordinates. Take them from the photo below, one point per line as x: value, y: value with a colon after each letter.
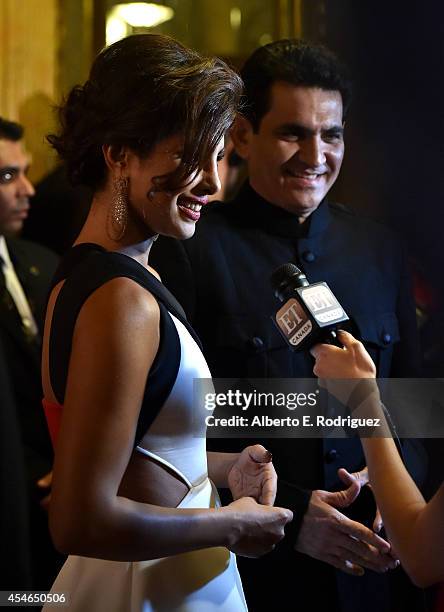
x: 53, y: 413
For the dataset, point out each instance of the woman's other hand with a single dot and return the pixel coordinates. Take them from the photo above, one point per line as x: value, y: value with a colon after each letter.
x: 253, y: 475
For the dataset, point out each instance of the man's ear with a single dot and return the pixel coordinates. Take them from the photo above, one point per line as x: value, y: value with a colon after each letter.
x: 242, y: 134
x: 116, y: 157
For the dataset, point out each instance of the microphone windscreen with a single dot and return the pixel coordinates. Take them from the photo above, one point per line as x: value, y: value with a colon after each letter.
x: 283, y: 273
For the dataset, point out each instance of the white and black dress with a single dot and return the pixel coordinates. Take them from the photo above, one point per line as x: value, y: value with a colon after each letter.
x: 200, y: 581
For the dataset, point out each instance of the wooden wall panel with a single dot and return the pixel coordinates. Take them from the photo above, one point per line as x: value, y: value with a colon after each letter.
x: 28, y: 55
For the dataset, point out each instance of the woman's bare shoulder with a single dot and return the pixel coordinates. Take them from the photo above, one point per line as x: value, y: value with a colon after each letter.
x: 121, y: 301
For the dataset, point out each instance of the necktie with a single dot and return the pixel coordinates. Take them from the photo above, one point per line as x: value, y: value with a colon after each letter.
x: 7, y: 301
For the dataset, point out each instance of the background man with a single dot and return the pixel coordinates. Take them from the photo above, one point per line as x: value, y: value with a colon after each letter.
x: 291, y: 137
x: 15, y: 562
x: 26, y: 270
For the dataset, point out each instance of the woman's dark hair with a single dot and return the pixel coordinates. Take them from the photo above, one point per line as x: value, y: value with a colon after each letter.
x: 296, y: 62
x: 141, y: 90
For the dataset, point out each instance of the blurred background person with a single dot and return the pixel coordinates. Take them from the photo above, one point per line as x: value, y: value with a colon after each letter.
x: 59, y: 210
x: 15, y: 555
x: 25, y: 274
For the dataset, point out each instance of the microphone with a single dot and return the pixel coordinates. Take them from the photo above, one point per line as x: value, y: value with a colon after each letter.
x: 310, y: 313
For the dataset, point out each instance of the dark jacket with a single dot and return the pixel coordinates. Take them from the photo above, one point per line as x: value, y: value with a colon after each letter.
x: 15, y: 558
x: 34, y: 266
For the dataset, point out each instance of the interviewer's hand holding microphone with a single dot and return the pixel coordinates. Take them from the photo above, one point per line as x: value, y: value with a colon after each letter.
x: 347, y: 372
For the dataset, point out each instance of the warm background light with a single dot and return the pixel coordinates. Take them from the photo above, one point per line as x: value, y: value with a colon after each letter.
x: 122, y: 17
x: 116, y: 29
x: 144, y: 15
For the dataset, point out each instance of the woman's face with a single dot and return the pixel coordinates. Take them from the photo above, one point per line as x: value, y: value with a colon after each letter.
x: 169, y: 213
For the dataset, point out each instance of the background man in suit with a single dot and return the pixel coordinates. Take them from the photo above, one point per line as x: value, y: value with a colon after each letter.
x: 15, y: 563
x: 26, y: 270
x: 291, y: 137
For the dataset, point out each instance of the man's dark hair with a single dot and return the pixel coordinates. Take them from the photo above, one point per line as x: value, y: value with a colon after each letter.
x: 141, y: 90
x: 293, y: 61
x: 9, y: 130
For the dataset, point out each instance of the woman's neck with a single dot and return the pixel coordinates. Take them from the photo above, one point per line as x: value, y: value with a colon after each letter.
x: 140, y: 251
x: 133, y: 242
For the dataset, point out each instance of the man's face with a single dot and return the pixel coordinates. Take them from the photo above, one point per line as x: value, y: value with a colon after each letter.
x: 15, y: 187
x: 295, y: 157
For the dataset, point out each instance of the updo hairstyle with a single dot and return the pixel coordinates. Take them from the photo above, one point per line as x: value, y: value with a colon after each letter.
x: 141, y: 90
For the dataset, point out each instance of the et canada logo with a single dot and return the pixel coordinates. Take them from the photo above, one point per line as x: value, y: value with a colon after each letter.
x: 293, y: 322
x: 322, y: 304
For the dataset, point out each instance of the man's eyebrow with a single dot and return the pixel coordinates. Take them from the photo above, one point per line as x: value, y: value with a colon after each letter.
x: 15, y: 169
x: 295, y: 128
x: 334, y: 129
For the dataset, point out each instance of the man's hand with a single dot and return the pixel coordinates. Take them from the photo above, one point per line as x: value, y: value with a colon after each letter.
x: 328, y: 535
x: 253, y: 475
x: 362, y: 479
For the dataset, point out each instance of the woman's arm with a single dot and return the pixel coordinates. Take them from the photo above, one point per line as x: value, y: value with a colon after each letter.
x: 114, y: 344
x: 415, y: 528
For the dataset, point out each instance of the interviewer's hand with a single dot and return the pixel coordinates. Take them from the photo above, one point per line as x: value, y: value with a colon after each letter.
x: 351, y: 361
x: 328, y: 535
x: 342, y: 370
x: 253, y: 475
x: 258, y: 528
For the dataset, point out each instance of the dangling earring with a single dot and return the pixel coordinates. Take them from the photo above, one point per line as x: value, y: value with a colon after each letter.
x: 118, y: 209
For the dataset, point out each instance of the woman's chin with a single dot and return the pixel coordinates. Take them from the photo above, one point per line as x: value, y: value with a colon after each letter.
x: 183, y: 232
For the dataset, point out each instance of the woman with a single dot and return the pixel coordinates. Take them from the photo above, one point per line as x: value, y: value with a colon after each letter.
x: 415, y: 528
x: 131, y: 501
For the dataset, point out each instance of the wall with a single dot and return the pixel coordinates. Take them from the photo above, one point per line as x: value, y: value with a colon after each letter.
x: 45, y: 48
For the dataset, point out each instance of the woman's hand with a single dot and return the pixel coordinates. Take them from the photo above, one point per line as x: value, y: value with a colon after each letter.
x: 347, y: 373
x: 253, y: 475
x: 258, y: 528
x: 351, y: 361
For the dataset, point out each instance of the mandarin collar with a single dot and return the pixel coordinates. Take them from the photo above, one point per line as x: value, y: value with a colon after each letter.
x: 257, y: 211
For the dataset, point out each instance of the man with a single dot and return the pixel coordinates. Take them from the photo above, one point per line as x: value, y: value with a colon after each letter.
x: 15, y: 566
x: 26, y: 270
x: 291, y: 137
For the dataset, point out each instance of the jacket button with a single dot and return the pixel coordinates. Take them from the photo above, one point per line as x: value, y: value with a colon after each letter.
x: 386, y: 338
x: 257, y: 343
x: 308, y: 256
x: 331, y: 456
